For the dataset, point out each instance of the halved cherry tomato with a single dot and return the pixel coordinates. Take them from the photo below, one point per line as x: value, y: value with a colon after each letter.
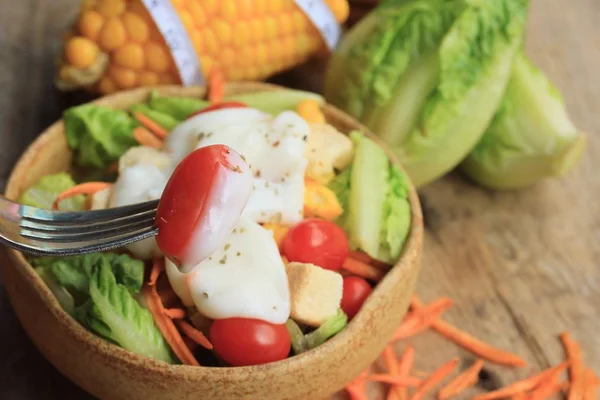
x: 218, y: 106
x: 355, y: 292
x: 244, y: 341
x: 201, y: 203
x: 318, y: 242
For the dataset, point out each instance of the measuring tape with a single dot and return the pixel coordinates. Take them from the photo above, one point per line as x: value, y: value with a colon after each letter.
x: 182, y: 49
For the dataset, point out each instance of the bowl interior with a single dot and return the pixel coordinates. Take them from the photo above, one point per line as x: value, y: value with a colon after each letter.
x: 50, y: 153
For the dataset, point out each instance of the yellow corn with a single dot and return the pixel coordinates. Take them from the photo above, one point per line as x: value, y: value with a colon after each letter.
x: 320, y: 201
x: 246, y: 39
x: 279, y: 232
x: 311, y: 112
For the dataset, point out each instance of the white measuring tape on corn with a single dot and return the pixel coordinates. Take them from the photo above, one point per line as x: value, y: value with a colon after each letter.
x: 182, y: 49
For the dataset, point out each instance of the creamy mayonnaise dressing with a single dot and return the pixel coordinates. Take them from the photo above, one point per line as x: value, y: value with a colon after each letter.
x: 245, y: 277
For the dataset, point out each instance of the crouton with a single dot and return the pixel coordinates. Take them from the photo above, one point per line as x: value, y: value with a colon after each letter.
x: 327, y: 149
x: 315, y: 293
x: 143, y: 155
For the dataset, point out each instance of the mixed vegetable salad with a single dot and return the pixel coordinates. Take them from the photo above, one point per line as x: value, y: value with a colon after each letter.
x: 273, y: 225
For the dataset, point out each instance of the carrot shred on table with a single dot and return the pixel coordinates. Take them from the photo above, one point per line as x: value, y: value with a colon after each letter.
x: 87, y: 188
x: 468, y: 342
x: 356, y: 388
x: 547, y: 387
x: 590, y: 385
x: 152, y: 126
x: 394, y: 380
x: 158, y: 266
x: 194, y: 334
x: 363, y: 270
x: 175, y: 313
x: 404, y: 366
x: 422, y: 319
x: 465, y: 380
x: 146, y: 138
x: 216, y: 85
x: 391, y: 364
x: 576, y: 369
x: 523, y: 385
x: 367, y: 259
x: 436, y: 377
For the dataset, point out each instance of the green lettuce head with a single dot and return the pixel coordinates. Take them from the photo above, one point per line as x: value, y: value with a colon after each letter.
x: 428, y: 75
x: 530, y: 138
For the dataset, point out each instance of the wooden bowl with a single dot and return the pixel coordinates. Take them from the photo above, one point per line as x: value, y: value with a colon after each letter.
x: 110, y: 372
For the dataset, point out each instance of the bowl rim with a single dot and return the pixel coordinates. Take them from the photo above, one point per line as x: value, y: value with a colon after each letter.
x: 410, y: 253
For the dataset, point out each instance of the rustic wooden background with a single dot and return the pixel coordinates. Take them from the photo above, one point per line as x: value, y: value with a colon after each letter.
x: 521, y: 266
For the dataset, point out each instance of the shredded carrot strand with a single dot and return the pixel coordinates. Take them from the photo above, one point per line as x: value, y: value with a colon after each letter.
x: 466, y: 379
x: 391, y: 364
x: 167, y: 327
x: 547, y: 387
x: 404, y: 366
x: 152, y: 126
x: 216, y: 86
x: 363, y: 270
x: 356, y: 388
x: 194, y: 334
x: 576, y: 369
x: 367, y: 259
x: 422, y: 319
x: 436, y: 377
x: 471, y: 343
x: 175, y: 313
x: 590, y: 385
x: 158, y: 266
x: 83, y: 188
x: 522, y: 385
x: 394, y: 380
x: 145, y: 138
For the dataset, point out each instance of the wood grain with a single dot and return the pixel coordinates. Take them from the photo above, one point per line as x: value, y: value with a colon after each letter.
x: 521, y: 266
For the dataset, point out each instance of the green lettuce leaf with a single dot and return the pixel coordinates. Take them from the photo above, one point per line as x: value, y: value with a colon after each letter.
x: 531, y: 136
x: 164, y: 120
x: 330, y: 328
x: 396, y: 217
x: 43, y: 193
x: 113, y: 313
x: 99, y: 135
x: 63, y: 296
x: 275, y: 102
x: 178, y: 108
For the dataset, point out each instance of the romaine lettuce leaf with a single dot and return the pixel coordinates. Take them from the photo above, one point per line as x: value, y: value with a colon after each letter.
x: 63, y: 296
x: 178, y: 108
x: 396, y: 216
x: 43, y: 193
x: 113, y: 313
x: 164, y: 120
x: 99, y: 135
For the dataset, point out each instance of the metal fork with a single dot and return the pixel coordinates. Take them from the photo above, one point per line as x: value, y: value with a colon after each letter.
x: 56, y: 233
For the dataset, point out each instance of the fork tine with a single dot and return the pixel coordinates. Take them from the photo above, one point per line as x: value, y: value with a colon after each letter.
x: 43, y: 226
x: 90, y: 234
x: 74, y: 217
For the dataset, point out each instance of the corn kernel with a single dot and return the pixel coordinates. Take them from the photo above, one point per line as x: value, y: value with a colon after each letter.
x: 228, y: 9
x: 136, y: 27
x: 198, y: 41
x: 168, y: 79
x: 261, y: 53
x: 157, y: 58
x: 227, y: 56
x: 148, y: 78
x: 258, y: 32
x: 210, y: 6
x: 187, y: 19
x: 111, y: 8
x: 299, y: 21
x: 210, y: 41
x: 125, y: 78
x: 90, y: 24
x: 223, y: 31
x: 246, y: 56
x: 137, y: 7
x: 106, y: 85
x: 252, y: 73
x: 81, y: 52
x: 242, y: 34
x: 245, y: 8
x: 289, y: 46
x: 270, y: 28
x: 113, y: 34
x: 178, y: 3
x: 260, y: 7
x: 197, y: 13
x: 275, y: 6
x: 131, y: 55
x: 207, y: 64
x: 340, y: 9
x: 276, y: 49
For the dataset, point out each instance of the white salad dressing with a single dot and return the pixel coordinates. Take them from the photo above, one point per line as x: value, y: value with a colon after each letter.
x: 244, y: 278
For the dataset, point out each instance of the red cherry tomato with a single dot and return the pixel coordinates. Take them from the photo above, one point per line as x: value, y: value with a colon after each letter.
x: 218, y: 106
x: 355, y: 292
x: 244, y: 341
x: 318, y: 242
x: 201, y: 203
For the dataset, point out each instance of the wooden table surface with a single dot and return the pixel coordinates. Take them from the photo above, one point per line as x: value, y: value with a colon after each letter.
x: 522, y: 266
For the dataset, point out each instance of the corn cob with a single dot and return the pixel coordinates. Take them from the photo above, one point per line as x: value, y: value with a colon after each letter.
x: 115, y: 45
